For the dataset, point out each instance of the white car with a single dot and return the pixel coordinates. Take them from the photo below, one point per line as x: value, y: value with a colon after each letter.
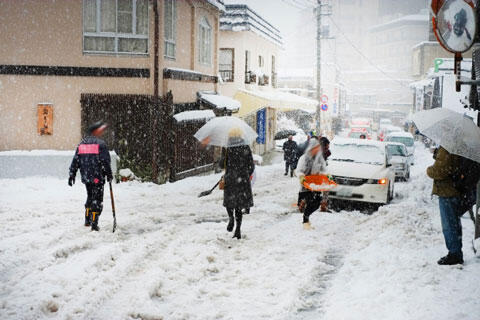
x: 362, y: 171
x: 407, y: 139
x: 398, y: 154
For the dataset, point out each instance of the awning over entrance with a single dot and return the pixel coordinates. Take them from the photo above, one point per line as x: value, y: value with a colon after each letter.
x: 217, y: 101
x: 253, y: 100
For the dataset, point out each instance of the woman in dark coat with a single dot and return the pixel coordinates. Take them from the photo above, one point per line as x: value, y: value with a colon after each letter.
x: 239, y: 166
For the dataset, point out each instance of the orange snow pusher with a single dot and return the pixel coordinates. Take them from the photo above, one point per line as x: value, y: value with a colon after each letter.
x: 319, y: 183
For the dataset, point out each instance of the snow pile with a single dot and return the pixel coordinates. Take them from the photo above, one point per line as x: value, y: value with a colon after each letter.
x: 127, y: 174
x: 196, y: 115
x: 284, y: 123
x: 321, y: 187
x: 221, y: 102
x: 258, y: 159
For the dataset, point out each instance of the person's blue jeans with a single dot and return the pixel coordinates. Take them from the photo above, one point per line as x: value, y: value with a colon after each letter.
x: 451, y: 225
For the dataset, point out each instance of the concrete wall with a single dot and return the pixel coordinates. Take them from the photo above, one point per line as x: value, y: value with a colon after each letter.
x: 49, y: 33
x: 45, y: 163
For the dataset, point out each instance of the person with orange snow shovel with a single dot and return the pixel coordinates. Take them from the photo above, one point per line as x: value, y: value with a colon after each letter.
x: 311, y: 163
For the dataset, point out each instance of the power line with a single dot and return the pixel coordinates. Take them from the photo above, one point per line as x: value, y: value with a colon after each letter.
x: 293, y: 4
x: 364, y: 56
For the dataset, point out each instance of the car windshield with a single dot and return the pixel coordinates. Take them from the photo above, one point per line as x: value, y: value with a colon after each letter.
x: 358, y: 153
x: 395, y: 150
x: 405, y: 140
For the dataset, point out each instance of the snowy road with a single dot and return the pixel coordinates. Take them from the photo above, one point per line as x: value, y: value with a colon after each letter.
x: 172, y: 258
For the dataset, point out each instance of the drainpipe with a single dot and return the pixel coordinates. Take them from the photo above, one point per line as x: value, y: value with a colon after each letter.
x: 155, y: 94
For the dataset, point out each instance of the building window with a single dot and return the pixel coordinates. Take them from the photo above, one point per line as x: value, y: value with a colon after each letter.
x: 226, y: 64
x: 170, y: 30
x: 115, y: 26
x: 248, y: 73
x: 205, y: 42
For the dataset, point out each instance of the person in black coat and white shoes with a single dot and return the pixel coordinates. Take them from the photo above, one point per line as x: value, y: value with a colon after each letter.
x: 238, y: 163
x: 93, y: 160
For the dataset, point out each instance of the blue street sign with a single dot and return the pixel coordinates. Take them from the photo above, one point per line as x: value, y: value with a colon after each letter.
x: 261, y: 126
x: 324, y: 107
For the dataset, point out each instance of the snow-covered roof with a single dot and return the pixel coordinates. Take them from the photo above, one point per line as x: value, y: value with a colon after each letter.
x: 195, y: 115
x: 403, y: 21
x: 239, y: 17
x: 219, y: 101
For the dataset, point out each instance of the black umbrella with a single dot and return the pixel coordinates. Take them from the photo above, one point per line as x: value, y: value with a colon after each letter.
x: 284, y: 134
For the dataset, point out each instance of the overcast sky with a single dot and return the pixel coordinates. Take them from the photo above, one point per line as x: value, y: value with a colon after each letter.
x: 280, y: 14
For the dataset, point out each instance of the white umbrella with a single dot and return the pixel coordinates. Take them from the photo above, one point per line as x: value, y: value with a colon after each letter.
x: 226, y: 132
x: 457, y: 133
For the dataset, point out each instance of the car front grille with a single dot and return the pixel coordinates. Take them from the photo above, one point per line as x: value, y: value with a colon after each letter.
x: 348, y: 181
x: 353, y: 196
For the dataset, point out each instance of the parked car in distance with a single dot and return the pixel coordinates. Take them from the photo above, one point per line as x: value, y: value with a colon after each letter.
x: 362, y: 171
x: 356, y: 132
x: 398, y: 154
x: 386, y: 130
x: 407, y: 139
x: 384, y: 123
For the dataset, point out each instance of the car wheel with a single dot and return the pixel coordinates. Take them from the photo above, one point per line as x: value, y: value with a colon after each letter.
x: 407, y: 177
x: 390, y: 194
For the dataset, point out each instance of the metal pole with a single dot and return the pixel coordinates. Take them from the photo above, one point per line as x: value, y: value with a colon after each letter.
x: 319, y: 67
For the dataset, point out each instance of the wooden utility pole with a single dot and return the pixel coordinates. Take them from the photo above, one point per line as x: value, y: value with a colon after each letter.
x: 318, y: 117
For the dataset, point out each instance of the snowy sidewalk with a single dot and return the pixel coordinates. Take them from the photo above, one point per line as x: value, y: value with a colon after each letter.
x: 172, y: 258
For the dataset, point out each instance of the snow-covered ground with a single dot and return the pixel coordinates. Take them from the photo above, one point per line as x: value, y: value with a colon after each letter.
x: 172, y: 258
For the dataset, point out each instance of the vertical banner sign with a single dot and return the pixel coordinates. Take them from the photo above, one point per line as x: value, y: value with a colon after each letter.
x: 45, y: 119
x: 261, y: 125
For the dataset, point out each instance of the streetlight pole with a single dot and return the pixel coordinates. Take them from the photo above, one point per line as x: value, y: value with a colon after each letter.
x: 319, y: 67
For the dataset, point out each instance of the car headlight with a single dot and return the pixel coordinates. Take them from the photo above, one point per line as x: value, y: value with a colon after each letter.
x: 382, y: 181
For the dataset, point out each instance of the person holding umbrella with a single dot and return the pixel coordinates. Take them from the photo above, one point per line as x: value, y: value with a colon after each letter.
x: 234, y: 136
x: 237, y: 160
x: 455, y: 173
x: 93, y: 160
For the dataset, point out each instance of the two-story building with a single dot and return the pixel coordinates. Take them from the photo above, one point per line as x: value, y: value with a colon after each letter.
x: 66, y: 63
x: 249, y: 51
